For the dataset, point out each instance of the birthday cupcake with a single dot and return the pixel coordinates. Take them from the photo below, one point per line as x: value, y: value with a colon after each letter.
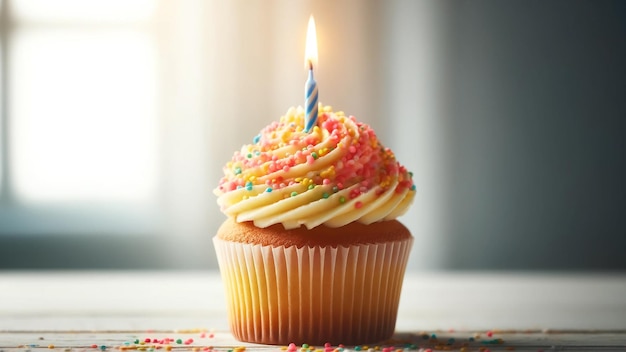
x: 311, y: 251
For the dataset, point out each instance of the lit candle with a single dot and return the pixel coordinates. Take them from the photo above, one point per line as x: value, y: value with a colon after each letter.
x: 310, y: 88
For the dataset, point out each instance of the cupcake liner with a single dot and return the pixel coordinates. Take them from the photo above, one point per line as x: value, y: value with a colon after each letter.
x: 314, y: 295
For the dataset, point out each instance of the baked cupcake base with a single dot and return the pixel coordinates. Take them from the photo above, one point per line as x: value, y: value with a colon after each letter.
x: 342, y: 286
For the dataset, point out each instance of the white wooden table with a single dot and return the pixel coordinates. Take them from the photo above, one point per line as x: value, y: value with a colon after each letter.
x: 94, y: 311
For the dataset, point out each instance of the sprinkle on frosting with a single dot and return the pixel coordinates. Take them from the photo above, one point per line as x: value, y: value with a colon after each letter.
x: 335, y: 174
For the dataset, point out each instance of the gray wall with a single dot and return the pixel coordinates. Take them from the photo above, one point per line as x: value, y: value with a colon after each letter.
x: 538, y: 126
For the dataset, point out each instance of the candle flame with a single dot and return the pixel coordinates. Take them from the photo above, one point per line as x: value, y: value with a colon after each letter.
x: 310, y: 53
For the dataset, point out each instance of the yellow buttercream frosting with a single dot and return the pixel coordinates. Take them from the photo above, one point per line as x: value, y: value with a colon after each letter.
x: 333, y: 175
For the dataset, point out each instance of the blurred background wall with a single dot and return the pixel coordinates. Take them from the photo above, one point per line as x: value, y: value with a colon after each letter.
x: 117, y: 116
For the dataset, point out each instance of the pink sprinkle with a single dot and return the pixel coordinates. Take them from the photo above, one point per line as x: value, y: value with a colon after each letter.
x: 203, y: 335
x: 326, y: 181
x: 310, y: 159
x: 286, y: 168
x: 490, y: 333
x: 358, y: 204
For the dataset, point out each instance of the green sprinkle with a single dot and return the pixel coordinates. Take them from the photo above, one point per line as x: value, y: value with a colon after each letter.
x: 249, y: 155
x: 136, y: 341
x: 256, y: 139
x: 305, y: 345
x: 294, y: 193
x: 413, y: 187
x: 410, y: 174
x: 325, y: 195
x: 342, y: 199
x: 269, y: 190
x: 103, y: 347
x: 237, y: 170
x: 179, y: 341
x: 335, y: 189
x: 357, y: 348
x: 314, y: 155
x: 491, y: 342
x: 311, y: 186
x: 249, y: 186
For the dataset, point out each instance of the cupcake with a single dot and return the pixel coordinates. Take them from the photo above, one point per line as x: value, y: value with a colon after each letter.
x: 311, y: 251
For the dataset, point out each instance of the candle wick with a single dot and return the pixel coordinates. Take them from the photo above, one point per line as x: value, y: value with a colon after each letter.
x: 310, y: 65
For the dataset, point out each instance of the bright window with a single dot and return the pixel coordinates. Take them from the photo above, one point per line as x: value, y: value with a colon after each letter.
x: 82, y: 115
x: 80, y: 123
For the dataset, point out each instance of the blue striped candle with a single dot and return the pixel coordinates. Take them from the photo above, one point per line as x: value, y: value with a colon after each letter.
x: 310, y: 99
x: 310, y: 88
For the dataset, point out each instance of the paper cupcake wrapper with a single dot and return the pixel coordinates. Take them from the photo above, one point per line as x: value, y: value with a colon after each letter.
x: 279, y: 295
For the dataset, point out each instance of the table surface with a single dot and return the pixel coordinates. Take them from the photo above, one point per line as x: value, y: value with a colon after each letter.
x: 473, y: 311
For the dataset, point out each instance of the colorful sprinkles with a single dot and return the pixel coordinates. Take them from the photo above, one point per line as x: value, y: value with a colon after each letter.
x: 339, y: 153
x: 204, y: 340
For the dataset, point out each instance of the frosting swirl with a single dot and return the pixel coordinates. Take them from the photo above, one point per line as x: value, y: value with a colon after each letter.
x: 333, y: 175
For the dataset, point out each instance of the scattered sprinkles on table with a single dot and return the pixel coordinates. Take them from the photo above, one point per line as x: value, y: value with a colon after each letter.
x: 337, y: 173
x: 203, y: 340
